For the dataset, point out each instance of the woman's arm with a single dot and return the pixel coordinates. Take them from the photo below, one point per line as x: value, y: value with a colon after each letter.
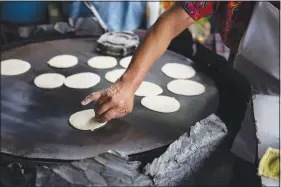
x: 170, y: 24
x: 118, y: 99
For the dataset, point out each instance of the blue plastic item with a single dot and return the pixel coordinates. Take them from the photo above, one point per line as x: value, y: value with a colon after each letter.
x: 118, y: 16
x: 24, y: 12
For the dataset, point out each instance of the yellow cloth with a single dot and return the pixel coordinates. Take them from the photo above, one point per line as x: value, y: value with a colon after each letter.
x: 270, y: 164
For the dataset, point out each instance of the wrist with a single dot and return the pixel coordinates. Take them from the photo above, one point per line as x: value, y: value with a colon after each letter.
x: 130, y: 82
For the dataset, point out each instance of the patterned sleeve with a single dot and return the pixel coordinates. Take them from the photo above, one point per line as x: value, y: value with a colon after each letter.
x: 199, y: 9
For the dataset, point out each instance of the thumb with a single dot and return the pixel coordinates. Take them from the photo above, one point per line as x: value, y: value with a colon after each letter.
x: 92, y: 97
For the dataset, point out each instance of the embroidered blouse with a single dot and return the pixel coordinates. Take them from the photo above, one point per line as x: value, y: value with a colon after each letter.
x: 231, y: 17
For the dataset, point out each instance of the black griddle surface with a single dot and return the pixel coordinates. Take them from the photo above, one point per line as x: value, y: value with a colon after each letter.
x: 34, y: 121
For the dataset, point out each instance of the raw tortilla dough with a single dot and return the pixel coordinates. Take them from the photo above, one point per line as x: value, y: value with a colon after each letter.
x: 148, y: 89
x: 161, y: 103
x: 84, y: 120
x: 186, y: 87
x: 63, y: 61
x: 82, y: 80
x: 14, y: 67
x: 178, y: 71
x: 49, y: 80
x: 102, y: 62
x: 124, y: 62
x: 114, y: 75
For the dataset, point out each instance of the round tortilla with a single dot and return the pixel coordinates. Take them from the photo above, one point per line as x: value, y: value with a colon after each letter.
x: 114, y: 75
x: 148, y: 89
x: 63, y: 61
x: 161, y: 103
x: 49, y: 80
x: 124, y: 62
x: 102, y: 62
x: 186, y: 87
x: 178, y: 71
x: 82, y: 80
x: 13, y: 67
x: 84, y: 120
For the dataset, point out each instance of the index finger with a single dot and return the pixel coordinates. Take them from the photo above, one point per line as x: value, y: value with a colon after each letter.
x: 92, y: 97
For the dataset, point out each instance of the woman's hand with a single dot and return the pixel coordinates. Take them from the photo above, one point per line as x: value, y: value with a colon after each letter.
x: 113, y: 102
x: 117, y: 100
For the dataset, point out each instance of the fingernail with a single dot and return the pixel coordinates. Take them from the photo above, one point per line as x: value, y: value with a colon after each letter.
x: 83, y: 102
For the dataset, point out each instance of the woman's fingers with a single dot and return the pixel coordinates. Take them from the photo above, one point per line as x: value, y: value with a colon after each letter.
x: 121, y: 113
x: 113, y: 102
x: 107, y: 116
x: 111, y: 114
x: 92, y: 97
x: 102, y: 108
x: 103, y: 99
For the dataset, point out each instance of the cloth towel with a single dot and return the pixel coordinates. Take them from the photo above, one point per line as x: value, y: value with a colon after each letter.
x: 270, y: 164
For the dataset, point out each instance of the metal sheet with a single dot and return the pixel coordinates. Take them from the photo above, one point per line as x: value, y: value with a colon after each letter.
x: 34, y: 122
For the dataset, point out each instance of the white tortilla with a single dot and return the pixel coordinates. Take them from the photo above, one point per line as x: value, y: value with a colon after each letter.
x: 114, y: 75
x: 63, y: 61
x: 82, y: 80
x: 124, y: 62
x: 186, y: 87
x: 84, y: 120
x: 102, y: 62
x: 14, y: 67
x: 148, y: 89
x: 49, y: 80
x: 178, y: 71
x: 161, y: 103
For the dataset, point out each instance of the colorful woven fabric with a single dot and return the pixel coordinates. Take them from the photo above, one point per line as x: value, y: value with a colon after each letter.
x: 231, y: 17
